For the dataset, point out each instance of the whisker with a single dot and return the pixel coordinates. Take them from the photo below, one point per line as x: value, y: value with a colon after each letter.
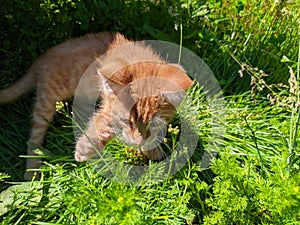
x: 164, y: 155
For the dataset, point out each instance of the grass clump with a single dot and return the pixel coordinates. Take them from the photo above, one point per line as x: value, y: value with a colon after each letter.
x: 243, y: 194
x: 72, y: 195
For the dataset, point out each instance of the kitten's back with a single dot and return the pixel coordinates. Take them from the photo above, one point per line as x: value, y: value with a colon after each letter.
x: 60, y: 68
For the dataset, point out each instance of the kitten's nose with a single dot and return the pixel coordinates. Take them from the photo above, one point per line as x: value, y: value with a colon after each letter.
x: 140, y: 138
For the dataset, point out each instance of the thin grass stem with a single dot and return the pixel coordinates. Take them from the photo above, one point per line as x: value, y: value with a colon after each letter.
x: 257, y: 148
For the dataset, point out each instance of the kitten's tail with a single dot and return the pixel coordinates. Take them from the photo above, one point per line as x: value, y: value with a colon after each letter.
x: 21, y: 87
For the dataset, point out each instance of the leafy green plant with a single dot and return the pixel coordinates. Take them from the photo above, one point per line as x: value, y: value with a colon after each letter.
x: 242, y: 195
x: 260, y: 184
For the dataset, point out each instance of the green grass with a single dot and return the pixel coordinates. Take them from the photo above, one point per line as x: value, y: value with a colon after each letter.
x: 253, y: 48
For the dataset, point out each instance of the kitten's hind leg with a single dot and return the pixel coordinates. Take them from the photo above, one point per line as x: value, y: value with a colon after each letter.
x: 43, y: 112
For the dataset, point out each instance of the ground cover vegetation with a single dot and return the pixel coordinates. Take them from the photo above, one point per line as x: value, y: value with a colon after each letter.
x: 252, y: 47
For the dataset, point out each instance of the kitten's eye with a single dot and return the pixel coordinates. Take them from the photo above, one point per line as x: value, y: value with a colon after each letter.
x: 156, y: 124
x: 130, y: 123
x: 126, y: 121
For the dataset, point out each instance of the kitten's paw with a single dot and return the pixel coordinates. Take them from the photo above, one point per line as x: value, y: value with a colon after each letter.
x: 32, y: 164
x: 84, y: 149
x: 88, y: 147
x: 32, y: 175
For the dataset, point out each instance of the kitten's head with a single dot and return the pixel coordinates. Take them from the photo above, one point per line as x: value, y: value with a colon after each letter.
x: 147, y: 95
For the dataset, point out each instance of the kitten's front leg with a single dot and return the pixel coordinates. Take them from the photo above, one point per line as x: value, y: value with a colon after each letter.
x: 88, y: 145
x: 43, y: 112
x: 94, y: 139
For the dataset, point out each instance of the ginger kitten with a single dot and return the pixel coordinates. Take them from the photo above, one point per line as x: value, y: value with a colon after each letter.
x: 139, y: 92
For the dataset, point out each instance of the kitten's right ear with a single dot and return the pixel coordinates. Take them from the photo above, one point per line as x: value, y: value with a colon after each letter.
x: 113, y: 75
x: 109, y: 85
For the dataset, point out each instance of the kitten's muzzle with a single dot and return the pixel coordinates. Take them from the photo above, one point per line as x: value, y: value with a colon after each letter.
x: 152, y: 138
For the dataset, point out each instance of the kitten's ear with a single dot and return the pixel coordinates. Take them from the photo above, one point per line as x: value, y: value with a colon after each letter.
x: 174, y: 98
x: 176, y: 75
x: 115, y: 74
x: 110, y: 85
x: 177, y: 81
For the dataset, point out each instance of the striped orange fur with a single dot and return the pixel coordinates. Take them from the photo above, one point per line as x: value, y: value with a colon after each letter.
x: 128, y: 104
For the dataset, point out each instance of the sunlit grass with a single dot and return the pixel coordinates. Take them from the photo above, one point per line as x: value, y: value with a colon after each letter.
x: 252, y: 179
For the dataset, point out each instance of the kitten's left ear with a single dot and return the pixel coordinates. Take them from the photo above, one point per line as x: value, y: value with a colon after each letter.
x: 177, y: 81
x: 174, y: 98
x: 176, y: 75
